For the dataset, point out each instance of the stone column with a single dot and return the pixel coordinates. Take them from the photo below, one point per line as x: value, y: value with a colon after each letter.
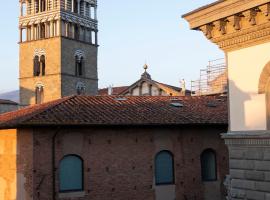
x: 79, y: 6
x: 21, y: 9
x: 20, y: 34
x: 95, y: 12
x: 90, y: 10
x: 72, y: 6
x: 96, y: 37
x: 39, y: 5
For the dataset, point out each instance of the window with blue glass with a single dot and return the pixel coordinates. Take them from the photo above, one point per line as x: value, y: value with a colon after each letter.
x: 208, y: 165
x: 164, y: 168
x: 71, y: 174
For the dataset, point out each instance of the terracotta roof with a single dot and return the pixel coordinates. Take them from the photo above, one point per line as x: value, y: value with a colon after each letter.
x: 113, y: 110
x: 8, y: 102
x: 116, y: 90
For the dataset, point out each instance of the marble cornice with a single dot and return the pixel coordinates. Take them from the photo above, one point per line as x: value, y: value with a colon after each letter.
x: 243, y: 27
x: 260, y: 138
x: 58, y: 14
x: 219, y: 11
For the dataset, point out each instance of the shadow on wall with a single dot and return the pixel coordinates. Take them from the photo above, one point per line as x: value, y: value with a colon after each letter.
x: 237, y: 113
x: 25, y: 96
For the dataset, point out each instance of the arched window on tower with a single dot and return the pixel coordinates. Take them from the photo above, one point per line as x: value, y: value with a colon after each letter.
x: 39, y: 94
x: 164, y: 168
x: 43, y: 65
x: 36, y: 66
x: 71, y: 174
x: 79, y: 66
x: 208, y: 165
x: 80, y: 88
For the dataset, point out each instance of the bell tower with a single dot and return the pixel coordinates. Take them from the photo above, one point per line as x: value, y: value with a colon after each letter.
x: 58, y: 49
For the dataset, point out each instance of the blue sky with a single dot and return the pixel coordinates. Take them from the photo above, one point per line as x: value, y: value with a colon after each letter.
x: 130, y: 33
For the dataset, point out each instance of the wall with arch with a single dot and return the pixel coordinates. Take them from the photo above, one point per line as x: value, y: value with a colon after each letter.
x: 247, y: 100
x: 119, y: 162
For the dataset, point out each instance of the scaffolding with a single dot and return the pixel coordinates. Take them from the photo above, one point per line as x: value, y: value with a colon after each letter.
x: 213, y: 79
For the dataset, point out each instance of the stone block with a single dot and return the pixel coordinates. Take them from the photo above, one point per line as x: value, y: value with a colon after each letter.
x: 254, y: 154
x: 237, y: 153
x: 267, y: 176
x: 263, y: 186
x: 254, y: 175
x: 267, y: 196
x: 262, y: 165
x: 238, y: 194
x: 255, y: 195
x: 243, y: 184
x: 266, y: 154
x: 237, y: 174
x: 242, y: 164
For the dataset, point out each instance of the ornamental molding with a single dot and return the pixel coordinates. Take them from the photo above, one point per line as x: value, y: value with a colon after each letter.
x: 246, y: 25
x: 249, y: 139
x: 252, y: 36
x: 49, y: 16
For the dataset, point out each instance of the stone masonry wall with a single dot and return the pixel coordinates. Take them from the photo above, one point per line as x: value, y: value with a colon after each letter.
x: 249, y: 168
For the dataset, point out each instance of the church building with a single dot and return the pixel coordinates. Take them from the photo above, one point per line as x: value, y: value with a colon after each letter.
x: 242, y: 30
x: 151, y: 142
x: 146, y: 86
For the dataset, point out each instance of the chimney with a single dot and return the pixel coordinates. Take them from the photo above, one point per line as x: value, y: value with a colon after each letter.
x: 110, y: 90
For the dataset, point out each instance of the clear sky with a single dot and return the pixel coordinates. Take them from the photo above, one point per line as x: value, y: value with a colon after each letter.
x: 130, y: 33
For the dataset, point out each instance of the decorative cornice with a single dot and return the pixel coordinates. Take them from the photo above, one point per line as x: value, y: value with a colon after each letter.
x: 58, y: 14
x: 245, y: 25
x: 247, y: 139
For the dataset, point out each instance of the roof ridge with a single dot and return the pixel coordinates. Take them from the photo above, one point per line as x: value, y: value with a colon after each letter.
x: 37, y: 112
x: 61, y: 100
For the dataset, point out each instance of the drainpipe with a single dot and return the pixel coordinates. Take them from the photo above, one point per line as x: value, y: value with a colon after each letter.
x: 53, y: 162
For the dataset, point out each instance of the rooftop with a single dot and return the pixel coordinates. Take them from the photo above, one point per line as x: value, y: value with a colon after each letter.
x: 7, y: 102
x: 113, y: 110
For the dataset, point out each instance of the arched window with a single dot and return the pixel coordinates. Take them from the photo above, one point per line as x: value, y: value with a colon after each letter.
x: 36, y: 66
x: 39, y: 94
x: 80, y: 88
x: 78, y: 66
x: 43, y: 65
x: 71, y: 174
x: 164, y: 168
x: 208, y: 165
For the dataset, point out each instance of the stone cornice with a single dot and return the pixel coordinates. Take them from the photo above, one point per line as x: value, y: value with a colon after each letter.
x: 247, y: 139
x: 55, y: 15
x: 234, y: 24
x: 220, y: 10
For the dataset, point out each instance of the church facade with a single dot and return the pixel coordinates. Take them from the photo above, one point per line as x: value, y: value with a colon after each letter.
x: 242, y: 30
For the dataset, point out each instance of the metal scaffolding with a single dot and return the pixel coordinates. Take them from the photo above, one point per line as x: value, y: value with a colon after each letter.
x: 213, y: 79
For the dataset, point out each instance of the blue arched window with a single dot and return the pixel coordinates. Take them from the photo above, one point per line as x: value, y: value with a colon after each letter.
x: 208, y: 165
x: 164, y: 168
x: 71, y: 173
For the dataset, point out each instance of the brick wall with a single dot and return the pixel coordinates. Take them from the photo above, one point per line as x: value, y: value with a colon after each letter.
x: 119, y: 162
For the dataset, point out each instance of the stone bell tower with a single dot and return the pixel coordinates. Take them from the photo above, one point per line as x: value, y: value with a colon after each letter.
x: 58, y: 49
